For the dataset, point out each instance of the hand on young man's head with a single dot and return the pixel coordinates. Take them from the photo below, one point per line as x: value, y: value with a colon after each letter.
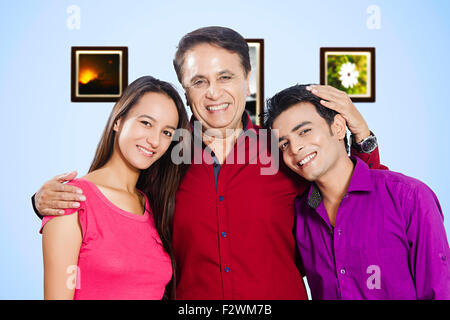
x: 340, y: 102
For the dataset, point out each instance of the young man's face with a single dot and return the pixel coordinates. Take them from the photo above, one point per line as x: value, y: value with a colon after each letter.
x: 216, y: 86
x: 306, y: 141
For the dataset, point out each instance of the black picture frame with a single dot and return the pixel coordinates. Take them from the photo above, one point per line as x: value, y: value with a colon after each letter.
x: 255, y: 102
x: 98, y: 74
x: 366, y: 78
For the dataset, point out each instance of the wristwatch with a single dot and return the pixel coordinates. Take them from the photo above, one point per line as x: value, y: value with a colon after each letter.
x: 367, y: 145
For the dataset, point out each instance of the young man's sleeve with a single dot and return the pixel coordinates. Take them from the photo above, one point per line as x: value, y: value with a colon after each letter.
x: 34, y: 208
x: 429, y: 250
x: 372, y: 159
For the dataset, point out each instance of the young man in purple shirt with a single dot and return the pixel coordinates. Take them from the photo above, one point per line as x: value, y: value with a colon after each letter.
x: 362, y: 234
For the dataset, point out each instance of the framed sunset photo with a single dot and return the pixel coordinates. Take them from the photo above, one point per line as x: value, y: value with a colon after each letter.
x: 99, y: 74
x: 351, y: 70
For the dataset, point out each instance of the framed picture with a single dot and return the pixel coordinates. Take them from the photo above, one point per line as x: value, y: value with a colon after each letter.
x: 99, y: 74
x: 351, y: 70
x: 255, y: 102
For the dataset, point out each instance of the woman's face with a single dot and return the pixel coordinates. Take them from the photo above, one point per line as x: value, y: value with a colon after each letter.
x: 145, y: 134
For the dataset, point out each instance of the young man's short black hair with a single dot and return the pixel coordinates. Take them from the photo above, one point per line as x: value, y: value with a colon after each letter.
x: 286, y: 98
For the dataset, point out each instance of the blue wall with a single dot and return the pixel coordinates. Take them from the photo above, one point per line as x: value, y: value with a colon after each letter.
x: 44, y: 134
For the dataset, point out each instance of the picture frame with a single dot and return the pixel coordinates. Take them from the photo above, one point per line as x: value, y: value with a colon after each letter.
x: 351, y: 70
x: 255, y: 102
x: 98, y: 74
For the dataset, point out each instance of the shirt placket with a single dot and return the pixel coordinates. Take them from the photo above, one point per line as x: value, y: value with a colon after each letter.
x: 222, y: 229
x: 340, y: 257
x: 321, y: 211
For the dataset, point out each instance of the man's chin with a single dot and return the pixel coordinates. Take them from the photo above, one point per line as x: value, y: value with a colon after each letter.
x: 220, y: 125
x: 307, y: 176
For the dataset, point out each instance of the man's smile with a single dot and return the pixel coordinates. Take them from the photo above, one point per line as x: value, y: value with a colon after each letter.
x: 217, y: 107
x: 307, y: 159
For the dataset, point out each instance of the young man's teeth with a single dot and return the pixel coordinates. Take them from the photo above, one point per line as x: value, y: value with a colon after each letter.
x: 307, y: 159
x: 220, y: 107
x: 145, y: 151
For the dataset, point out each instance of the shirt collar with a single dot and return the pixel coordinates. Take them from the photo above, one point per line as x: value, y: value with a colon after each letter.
x: 361, y: 181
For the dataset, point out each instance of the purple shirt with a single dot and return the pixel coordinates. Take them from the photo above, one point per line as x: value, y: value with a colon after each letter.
x: 388, y: 242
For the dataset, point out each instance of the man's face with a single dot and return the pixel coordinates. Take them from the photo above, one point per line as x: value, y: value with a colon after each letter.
x: 305, y: 140
x: 216, y: 86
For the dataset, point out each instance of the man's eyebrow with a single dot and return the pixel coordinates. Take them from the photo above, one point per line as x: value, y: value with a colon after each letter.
x: 197, y: 76
x: 225, y: 71
x: 153, y: 119
x: 304, y: 123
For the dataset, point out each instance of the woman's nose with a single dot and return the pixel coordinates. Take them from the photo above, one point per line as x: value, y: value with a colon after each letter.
x: 153, y: 138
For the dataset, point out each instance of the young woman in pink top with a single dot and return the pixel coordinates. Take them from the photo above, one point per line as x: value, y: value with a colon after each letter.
x: 117, y: 244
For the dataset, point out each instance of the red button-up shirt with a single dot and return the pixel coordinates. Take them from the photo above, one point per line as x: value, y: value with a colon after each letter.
x: 235, y: 240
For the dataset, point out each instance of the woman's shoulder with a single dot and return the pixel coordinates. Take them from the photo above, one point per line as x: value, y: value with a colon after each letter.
x: 88, y: 191
x: 81, y: 183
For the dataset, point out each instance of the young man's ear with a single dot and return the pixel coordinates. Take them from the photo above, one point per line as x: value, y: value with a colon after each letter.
x: 339, y: 127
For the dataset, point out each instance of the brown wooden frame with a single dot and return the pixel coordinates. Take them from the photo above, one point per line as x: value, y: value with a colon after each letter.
x: 260, y: 88
x: 371, y: 50
x: 93, y: 98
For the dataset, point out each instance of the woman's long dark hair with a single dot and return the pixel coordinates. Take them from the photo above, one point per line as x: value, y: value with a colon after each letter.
x: 161, y: 180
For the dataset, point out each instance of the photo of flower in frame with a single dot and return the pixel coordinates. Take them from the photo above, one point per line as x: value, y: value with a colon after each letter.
x: 351, y: 70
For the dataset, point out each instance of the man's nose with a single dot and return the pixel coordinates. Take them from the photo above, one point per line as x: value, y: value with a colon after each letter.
x: 214, y: 90
x: 296, y: 146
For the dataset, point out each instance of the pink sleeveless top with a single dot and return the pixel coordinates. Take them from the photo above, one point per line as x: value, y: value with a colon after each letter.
x: 121, y: 255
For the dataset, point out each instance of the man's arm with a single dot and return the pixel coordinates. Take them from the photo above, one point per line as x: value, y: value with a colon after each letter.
x: 61, y: 241
x: 55, y: 196
x: 429, y: 251
x: 339, y: 101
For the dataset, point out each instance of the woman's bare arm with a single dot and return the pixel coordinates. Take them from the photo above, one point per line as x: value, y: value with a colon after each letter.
x: 61, y: 242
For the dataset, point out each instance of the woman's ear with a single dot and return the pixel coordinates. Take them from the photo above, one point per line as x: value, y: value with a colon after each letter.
x: 339, y: 127
x: 117, y: 125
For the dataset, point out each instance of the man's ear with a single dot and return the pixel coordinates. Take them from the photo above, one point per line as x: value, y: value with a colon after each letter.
x: 248, y: 84
x: 187, y: 99
x: 339, y: 127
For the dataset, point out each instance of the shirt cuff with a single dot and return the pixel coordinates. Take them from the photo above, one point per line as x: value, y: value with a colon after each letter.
x: 34, y: 207
x: 372, y: 159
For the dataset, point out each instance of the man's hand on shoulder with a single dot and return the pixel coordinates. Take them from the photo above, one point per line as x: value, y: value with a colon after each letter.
x: 55, y: 196
x: 340, y: 102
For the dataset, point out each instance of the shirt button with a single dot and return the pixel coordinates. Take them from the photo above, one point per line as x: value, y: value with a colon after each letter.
x: 220, y: 198
x: 224, y: 234
x: 339, y: 232
x: 343, y: 271
x: 226, y: 269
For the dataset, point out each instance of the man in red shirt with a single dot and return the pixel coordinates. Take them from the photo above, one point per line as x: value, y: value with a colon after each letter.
x: 233, y: 225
